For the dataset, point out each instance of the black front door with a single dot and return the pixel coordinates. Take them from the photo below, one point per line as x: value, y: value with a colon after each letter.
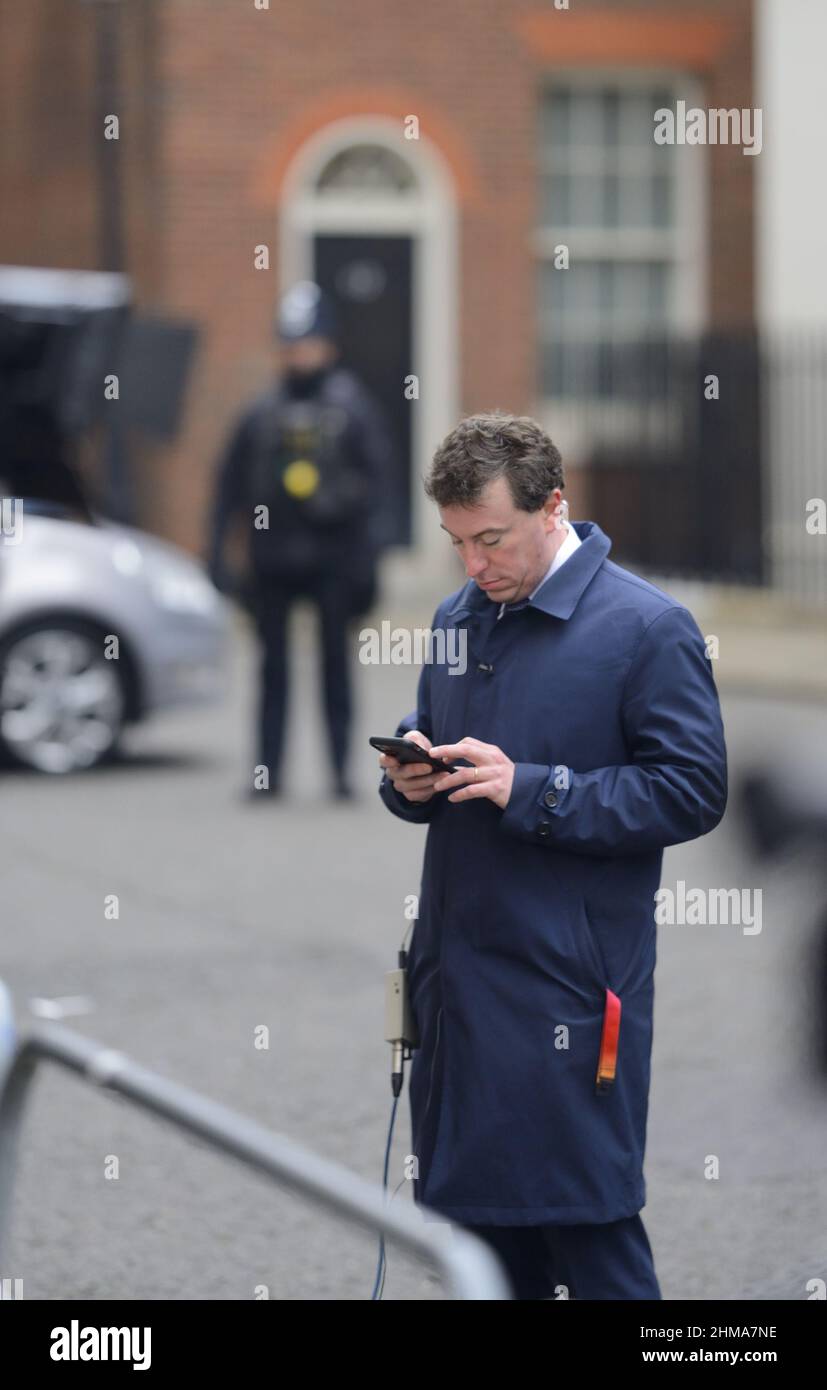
x: 369, y: 279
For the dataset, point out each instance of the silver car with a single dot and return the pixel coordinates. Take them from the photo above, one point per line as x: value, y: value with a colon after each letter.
x: 100, y: 625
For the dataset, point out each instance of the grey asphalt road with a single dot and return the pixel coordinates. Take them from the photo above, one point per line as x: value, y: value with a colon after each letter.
x: 234, y: 916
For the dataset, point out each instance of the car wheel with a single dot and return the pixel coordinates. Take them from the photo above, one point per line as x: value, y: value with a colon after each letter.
x: 61, y: 702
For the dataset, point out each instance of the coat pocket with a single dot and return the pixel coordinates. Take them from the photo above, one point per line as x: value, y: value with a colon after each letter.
x: 610, y: 1026
x: 593, y: 950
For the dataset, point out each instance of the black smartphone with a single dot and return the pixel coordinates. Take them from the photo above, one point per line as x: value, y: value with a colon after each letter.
x: 408, y: 752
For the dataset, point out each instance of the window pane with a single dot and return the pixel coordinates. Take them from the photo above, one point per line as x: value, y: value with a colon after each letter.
x: 611, y: 117
x: 588, y: 292
x: 547, y: 297
x: 578, y: 299
x: 661, y: 97
x: 645, y: 201
x: 662, y: 207
x: 638, y: 118
x: 554, y: 118
x: 635, y: 202
x: 586, y: 121
x: 639, y: 296
x: 611, y: 200
x: 630, y: 295
x: 659, y: 276
x: 556, y: 201
x: 601, y: 323
x: 587, y: 201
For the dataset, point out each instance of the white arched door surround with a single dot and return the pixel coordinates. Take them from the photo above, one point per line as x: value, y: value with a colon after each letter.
x: 360, y: 176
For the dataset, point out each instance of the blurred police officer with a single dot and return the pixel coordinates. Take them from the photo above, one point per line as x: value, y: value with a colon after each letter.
x: 305, y: 471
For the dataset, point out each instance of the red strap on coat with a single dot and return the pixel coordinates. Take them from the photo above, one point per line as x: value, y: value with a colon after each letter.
x: 607, y: 1064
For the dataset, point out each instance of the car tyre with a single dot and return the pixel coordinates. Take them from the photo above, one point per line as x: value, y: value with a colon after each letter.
x: 62, y: 702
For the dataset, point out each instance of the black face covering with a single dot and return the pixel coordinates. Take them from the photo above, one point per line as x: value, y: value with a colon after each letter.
x: 304, y: 383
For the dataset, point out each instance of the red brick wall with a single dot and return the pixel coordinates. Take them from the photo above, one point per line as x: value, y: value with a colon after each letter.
x: 51, y: 136
x: 218, y: 96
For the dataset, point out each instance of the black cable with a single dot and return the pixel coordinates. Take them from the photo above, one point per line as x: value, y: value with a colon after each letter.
x: 399, y: 1185
x: 396, y: 1085
x: 380, y: 1268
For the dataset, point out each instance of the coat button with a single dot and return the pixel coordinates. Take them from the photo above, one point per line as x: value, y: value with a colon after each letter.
x: 550, y: 798
x: 486, y: 668
x: 544, y: 829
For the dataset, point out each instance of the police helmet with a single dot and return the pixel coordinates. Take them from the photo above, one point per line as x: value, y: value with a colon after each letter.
x: 305, y: 311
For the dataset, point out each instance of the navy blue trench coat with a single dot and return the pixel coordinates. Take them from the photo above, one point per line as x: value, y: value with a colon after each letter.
x: 536, y: 922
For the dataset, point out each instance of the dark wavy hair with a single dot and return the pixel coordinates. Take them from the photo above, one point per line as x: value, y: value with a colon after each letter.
x: 484, y: 447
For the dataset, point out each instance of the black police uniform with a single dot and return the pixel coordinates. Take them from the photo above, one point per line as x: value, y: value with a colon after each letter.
x: 313, y: 451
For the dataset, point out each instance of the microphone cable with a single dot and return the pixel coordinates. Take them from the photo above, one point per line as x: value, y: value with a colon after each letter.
x: 379, y: 1282
x: 381, y: 1267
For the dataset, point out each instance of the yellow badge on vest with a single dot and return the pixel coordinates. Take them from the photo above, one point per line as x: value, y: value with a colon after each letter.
x: 301, y: 478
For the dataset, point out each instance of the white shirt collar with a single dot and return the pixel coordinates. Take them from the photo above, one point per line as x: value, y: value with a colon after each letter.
x: 570, y: 544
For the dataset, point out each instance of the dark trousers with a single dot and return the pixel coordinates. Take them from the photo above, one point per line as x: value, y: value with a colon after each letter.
x: 272, y: 599
x: 611, y: 1261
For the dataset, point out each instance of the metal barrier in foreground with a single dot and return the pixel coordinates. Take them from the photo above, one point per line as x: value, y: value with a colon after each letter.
x: 469, y: 1267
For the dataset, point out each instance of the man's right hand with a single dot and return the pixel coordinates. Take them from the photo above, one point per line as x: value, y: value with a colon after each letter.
x: 414, y: 780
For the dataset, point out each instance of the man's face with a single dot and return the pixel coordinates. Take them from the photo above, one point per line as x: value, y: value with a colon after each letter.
x: 506, y: 550
x: 306, y: 354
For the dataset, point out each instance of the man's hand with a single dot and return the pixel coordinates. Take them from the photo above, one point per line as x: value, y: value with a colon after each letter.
x: 492, y: 774
x: 414, y: 780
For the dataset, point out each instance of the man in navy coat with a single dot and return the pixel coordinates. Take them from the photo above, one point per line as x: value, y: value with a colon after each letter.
x: 588, y: 726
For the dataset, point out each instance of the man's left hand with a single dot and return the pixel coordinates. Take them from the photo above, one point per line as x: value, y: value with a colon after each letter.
x: 492, y: 774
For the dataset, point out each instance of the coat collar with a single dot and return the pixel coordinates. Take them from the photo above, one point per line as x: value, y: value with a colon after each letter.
x: 561, y: 592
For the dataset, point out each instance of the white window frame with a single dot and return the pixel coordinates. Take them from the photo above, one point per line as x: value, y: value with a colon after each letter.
x: 577, y: 424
